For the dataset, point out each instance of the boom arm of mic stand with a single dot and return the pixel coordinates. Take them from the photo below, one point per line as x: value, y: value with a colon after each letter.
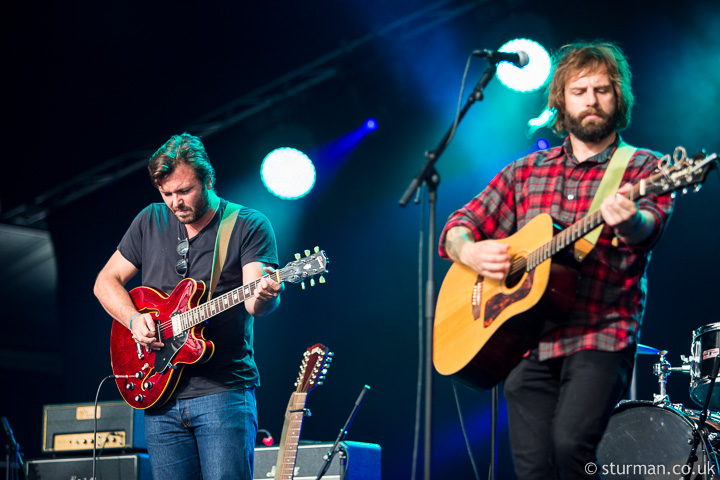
x: 343, y: 432
x: 432, y: 156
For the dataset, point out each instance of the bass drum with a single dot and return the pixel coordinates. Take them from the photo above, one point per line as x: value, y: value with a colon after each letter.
x: 644, y: 441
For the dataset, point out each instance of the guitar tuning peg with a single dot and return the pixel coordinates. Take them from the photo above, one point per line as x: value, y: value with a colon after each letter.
x: 297, y: 256
x: 316, y: 249
x: 302, y: 284
x: 684, y: 191
x: 312, y: 282
x: 321, y: 279
x: 307, y: 253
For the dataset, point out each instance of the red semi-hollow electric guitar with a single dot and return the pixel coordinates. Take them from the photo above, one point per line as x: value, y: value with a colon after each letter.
x: 148, y: 378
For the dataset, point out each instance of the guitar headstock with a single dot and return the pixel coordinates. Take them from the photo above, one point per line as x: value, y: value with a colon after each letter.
x: 305, y: 267
x: 678, y: 173
x: 313, y: 368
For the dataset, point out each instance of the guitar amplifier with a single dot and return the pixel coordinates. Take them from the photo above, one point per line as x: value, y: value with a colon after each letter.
x: 124, y: 467
x: 361, y: 461
x: 69, y: 427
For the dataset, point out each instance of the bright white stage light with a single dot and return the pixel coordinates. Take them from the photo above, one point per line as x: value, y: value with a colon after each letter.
x: 532, y: 76
x: 288, y: 173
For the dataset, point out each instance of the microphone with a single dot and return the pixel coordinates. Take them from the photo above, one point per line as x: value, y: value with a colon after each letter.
x: 519, y: 59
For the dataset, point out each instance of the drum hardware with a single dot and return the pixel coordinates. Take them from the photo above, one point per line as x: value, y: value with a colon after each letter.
x: 701, y: 433
x: 705, y: 349
x: 665, y: 440
x: 663, y: 369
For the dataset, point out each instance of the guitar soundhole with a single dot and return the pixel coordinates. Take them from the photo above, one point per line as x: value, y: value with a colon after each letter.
x: 518, y: 267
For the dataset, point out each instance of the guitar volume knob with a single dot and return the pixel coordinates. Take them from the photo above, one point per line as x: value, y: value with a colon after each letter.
x: 139, y: 398
x: 148, y: 385
x: 130, y: 386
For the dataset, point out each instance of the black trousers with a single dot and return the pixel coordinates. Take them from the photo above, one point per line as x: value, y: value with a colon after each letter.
x: 558, y: 410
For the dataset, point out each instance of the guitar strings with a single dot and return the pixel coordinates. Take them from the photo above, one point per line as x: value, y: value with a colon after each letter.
x: 168, y: 323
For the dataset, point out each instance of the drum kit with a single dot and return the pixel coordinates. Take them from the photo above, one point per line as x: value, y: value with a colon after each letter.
x: 659, y: 439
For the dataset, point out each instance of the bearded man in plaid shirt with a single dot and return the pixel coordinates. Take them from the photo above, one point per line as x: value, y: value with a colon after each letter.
x: 561, y: 395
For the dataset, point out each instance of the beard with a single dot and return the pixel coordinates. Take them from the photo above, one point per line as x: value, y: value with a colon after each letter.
x: 593, y: 130
x: 191, y: 213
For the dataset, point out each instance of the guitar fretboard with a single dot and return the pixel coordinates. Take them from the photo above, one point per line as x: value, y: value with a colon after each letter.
x: 287, y: 454
x: 195, y: 316
x: 575, y: 231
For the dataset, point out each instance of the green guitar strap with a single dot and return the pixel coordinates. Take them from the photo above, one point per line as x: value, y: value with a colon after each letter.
x: 608, y: 186
x: 221, y: 243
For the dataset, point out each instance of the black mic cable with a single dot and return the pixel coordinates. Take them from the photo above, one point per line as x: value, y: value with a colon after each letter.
x: 95, y: 406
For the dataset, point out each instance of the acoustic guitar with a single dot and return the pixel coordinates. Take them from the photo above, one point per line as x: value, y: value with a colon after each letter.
x: 313, y: 368
x: 483, y: 326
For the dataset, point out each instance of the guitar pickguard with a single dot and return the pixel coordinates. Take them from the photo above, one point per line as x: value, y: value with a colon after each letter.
x: 165, y: 356
x: 496, y: 304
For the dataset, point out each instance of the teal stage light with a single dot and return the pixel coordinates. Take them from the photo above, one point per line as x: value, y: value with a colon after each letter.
x: 288, y: 173
x: 532, y: 76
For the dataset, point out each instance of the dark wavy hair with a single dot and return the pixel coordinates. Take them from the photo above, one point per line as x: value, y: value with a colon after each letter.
x: 577, y: 58
x: 186, y: 149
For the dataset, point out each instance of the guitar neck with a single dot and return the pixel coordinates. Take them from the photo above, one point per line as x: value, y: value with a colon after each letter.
x: 195, y: 316
x: 287, y: 453
x: 576, y: 231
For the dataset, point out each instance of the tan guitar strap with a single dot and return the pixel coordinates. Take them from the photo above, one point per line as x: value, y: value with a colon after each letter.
x: 221, y: 243
x: 608, y: 186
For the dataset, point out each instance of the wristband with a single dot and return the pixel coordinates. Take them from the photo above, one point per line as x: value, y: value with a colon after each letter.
x: 133, y: 318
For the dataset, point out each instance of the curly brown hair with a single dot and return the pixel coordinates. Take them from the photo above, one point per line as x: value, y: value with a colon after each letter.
x: 577, y: 58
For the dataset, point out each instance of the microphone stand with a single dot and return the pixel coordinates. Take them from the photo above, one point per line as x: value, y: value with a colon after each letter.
x: 429, y: 176
x: 343, y: 432
x: 12, y: 448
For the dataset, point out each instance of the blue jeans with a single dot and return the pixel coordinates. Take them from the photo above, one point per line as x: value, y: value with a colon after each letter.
x: 210, y: 437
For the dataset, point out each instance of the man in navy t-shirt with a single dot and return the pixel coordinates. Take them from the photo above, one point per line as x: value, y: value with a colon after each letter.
x: 207, y: 428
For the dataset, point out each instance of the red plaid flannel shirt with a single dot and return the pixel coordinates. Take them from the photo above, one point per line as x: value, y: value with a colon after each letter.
x: 612, y: 288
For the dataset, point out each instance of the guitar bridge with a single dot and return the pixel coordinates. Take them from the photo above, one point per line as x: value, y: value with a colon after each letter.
x: 477, y: 292
x: 476, y: 297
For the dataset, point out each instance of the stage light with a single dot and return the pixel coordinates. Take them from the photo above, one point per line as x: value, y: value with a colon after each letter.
x: 371, y: 124
x: 288, y: 173
x: 542, y: 144
x: 532, y: 76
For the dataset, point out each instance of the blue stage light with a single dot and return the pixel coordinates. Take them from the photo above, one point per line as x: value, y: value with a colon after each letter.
x: 371, y: 124
x: 532, y: 76
x: 288, y: 173
x: 542, y: 144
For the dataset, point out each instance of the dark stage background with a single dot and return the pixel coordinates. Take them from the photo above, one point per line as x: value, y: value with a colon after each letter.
x: 91, y: 88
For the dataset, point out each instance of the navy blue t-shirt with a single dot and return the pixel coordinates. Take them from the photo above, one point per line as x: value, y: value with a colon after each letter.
x: 150, y: 244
